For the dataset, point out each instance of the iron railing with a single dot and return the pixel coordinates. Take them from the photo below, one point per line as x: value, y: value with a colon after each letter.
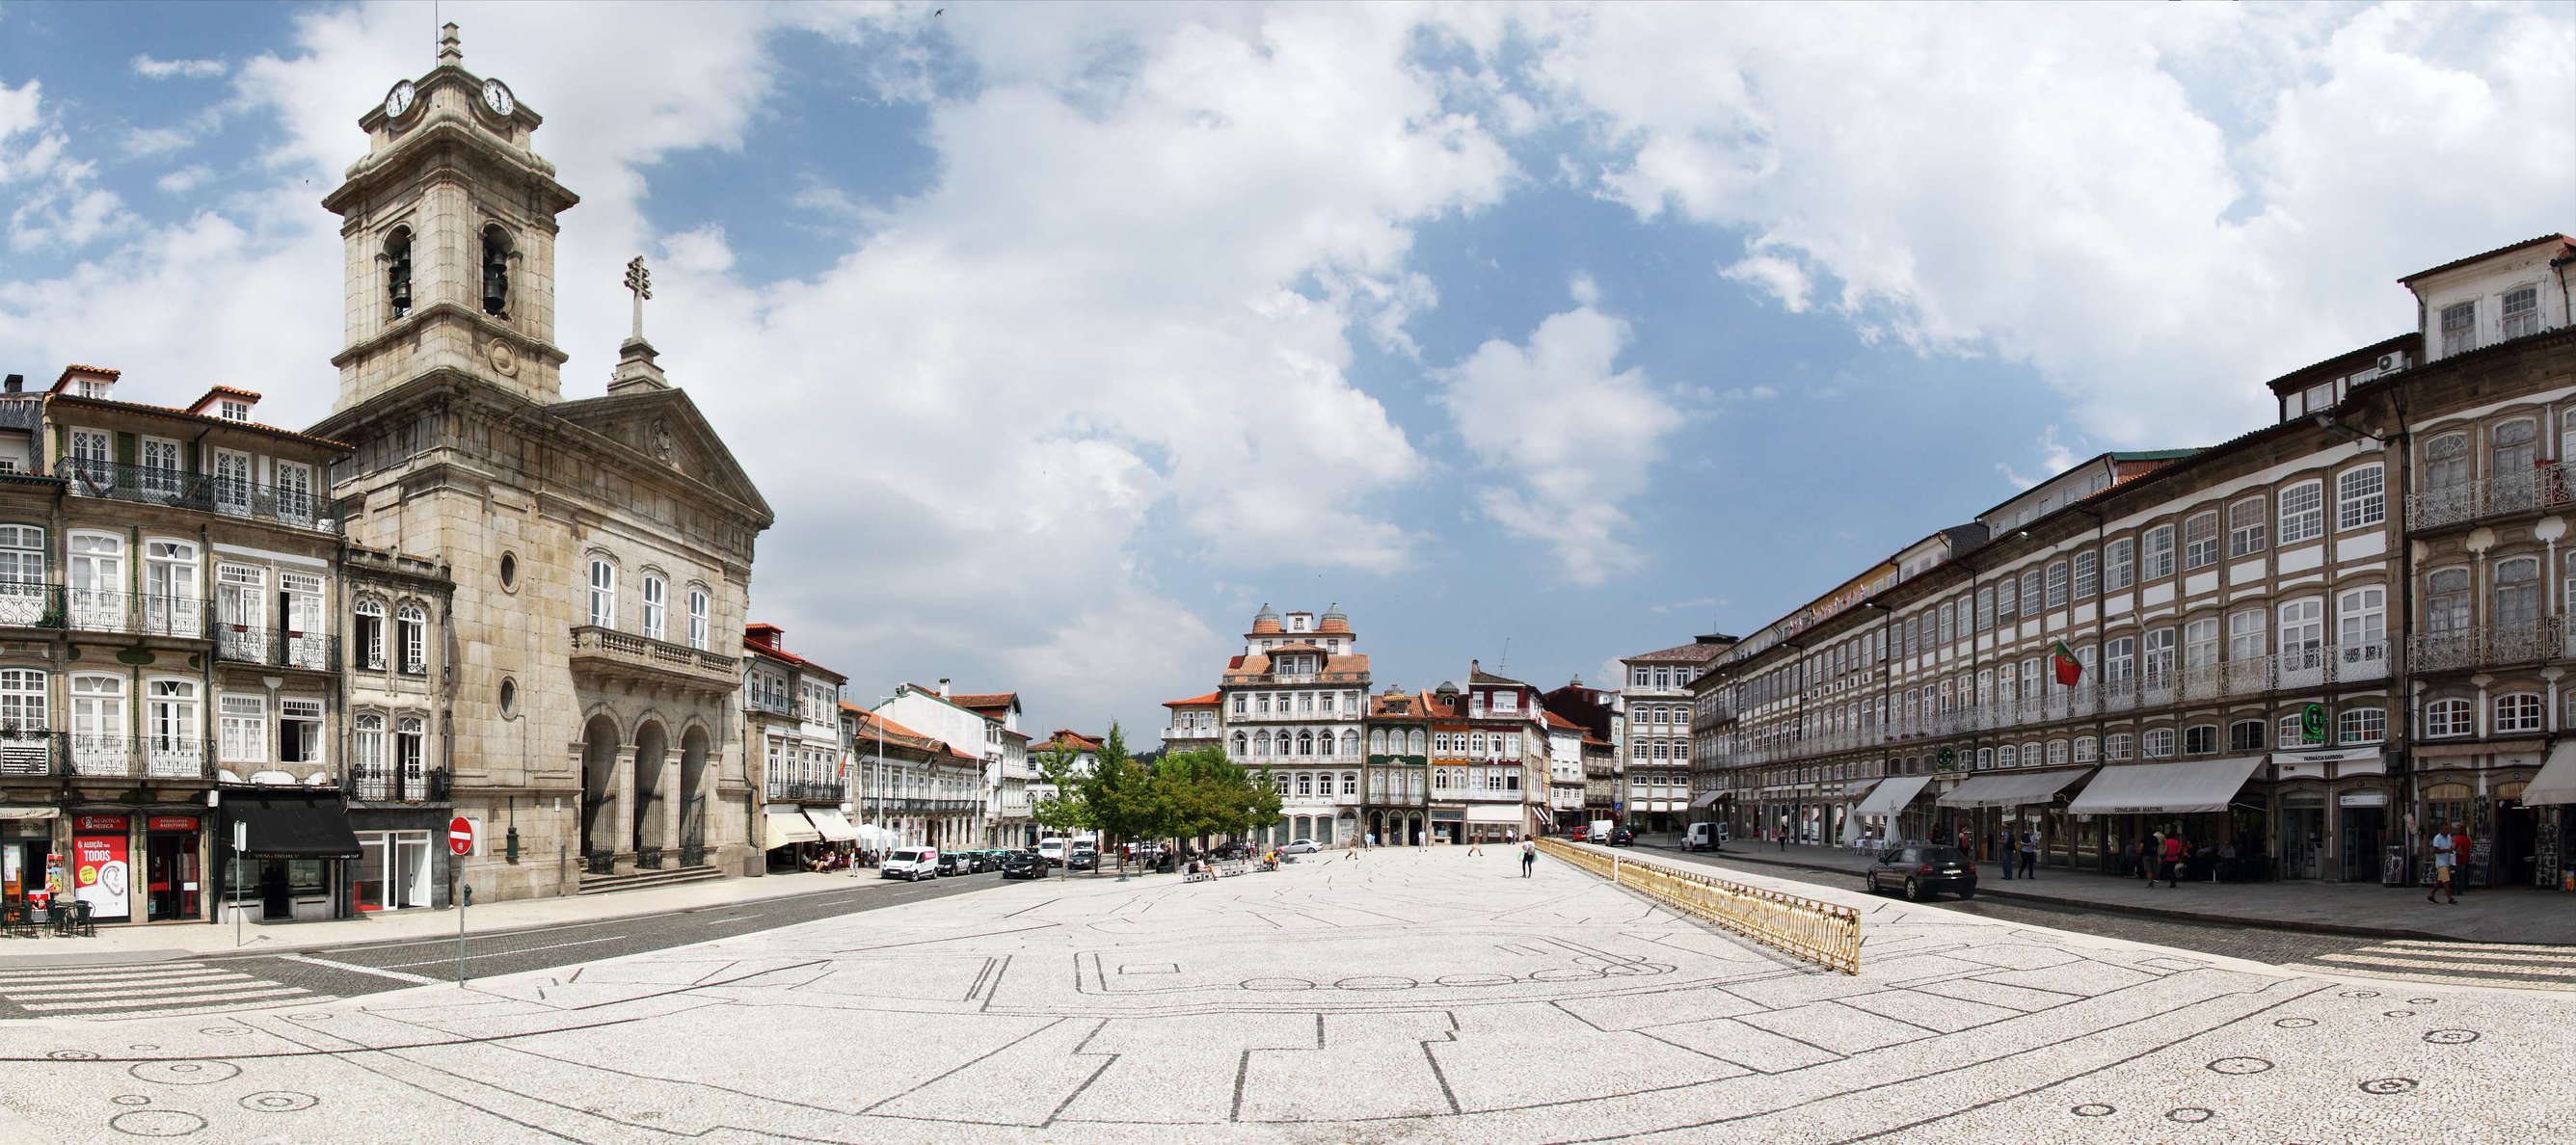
x: 31, y: 605
x: 30, y: 753
x: 648, y: 858
x: 389, y: 783
x: 96, y: 755
x: 202, y: 492
x: 2494, y: 645
x: 144, y: 614
x: 693, y: 853
x: 276, y: 647
x: 2544, y: 486
x: 600, y: 861
x: 1819, y: 932
x: 805, y: 791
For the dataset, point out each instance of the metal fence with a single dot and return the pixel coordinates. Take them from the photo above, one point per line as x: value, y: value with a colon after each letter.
x: 1819, y: 932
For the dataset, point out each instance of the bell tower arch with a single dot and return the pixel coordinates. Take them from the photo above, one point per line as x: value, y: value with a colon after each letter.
x: 448, y: 228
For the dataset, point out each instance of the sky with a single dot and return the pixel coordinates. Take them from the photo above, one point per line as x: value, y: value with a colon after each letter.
x: 1062, y: 337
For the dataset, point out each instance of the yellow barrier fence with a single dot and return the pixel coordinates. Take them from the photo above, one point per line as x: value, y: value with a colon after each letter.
x: 1819, y: 932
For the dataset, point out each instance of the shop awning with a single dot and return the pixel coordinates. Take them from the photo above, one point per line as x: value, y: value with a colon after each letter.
x: 2556, y: 782
x: 1892, y: 796
x: 1708, y: 799
x: 831, y: 824
x: 2179, y: 788
x: 293, y: 828
x: 780, y: 828
x: 2010, y: 790
x: 1858, y: 788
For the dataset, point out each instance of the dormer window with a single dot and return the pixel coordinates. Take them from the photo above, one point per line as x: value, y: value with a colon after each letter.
x: 2459, y: 328
x: 2521, y: 311
x: 231, y: 410
x: 89, y: 388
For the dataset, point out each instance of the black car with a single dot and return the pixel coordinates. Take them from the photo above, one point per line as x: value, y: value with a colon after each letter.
x: 1623, y: 837
x: 1023, y: 865
x: 1923, y: 870
x: 956, y: 863
x: 1082, y: 861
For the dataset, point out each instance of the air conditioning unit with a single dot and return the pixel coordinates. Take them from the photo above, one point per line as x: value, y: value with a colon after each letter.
x: 2391, y: 363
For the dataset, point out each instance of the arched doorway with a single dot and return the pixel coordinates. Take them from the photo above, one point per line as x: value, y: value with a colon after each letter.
x: 653, y: 804
x: 693, y: 793
x: 599, y: 785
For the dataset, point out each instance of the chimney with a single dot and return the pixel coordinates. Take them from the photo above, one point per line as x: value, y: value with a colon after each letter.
x: 1473, y: 668
x: 943, y: 687
x: 17, y: 383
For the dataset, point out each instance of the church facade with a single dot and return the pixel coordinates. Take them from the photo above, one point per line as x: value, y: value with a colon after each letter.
x: 599, y: 548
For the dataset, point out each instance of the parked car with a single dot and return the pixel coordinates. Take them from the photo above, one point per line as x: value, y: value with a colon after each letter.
x: 911, y: 864
x: 978, y: 862
x: 1923, y: 870
x: 1300, y: 847
x: 1578, y: 834
x: 1023, y: 865
x: 1083, y: 861
x: 1052, y: 850
x: 1701, y: 837
x: 1623, y: 837
x: 955, y: 863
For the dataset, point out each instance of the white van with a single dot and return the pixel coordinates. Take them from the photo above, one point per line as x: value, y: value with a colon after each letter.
x: 911, y: 864
x: 1052, y: 850
x: 1701, y: 837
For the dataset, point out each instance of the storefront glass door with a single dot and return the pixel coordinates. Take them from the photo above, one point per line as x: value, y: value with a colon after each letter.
x: 2303, y: 839
x: 393, y: 870
x: 170, y: 872
x: 2364, y: 831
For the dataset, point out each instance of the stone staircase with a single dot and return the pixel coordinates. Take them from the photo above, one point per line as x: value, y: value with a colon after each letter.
x: 643, y: 880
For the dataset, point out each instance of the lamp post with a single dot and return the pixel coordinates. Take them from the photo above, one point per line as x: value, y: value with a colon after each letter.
x: 883, y: 842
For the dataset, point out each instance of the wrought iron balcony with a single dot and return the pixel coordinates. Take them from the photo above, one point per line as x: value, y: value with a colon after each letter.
x: 31, y: 605
x: 386, y: 783
x: 277, y: 647
x: 25, y: 753
x: 142, y: 614
x: 2493, y: 646
x: 774, y: 705
x: 95, y: 755
x: 205, y: 493
x: 624, y: 655
x: 2544, y: 486
x: 805, y: 791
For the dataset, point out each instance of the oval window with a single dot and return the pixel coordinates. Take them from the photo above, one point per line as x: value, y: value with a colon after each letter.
x: 509, y: 570
x: 509, y: 696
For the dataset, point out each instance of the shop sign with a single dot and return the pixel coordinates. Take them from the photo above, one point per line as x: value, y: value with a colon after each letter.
x: 2364, y: 799
x: 100, y: 873
x: 170, y: 823
x: 98, y: 824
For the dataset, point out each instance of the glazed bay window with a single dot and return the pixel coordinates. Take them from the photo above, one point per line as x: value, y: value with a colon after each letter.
x: 2521, y: 312
x: 2159, y: 743
x: 299, y: 731
x: 2361, y: 725
x: 243, y: 737
x: 2119, y: 564
x: 368, y: 639
x: 2459, y: 328
x: 2517, y: 712
x: 2247, y: 527
x: 2200, y: 541
x: 2447, y: 718
x: 2159, y: 553
x: 2303, y: 512
x: 2361, y: 497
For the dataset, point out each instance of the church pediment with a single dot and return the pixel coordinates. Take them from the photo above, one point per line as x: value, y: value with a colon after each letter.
x: 665, y: 428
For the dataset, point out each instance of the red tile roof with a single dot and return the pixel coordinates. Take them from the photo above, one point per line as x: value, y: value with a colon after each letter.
x: 1207, y: 701
x: 896, y: 733
x: 190, y: 415
x: 751, y: 643
x: 65, y: 377
x: 1066, y: 737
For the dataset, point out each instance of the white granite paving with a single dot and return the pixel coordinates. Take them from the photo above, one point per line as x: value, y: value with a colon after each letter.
x: 1407, y: 996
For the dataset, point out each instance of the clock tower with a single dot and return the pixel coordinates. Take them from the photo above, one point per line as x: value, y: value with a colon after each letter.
x: 448, y: 227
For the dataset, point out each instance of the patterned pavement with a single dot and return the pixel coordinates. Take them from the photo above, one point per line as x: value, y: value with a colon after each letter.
x: 1404, y: 996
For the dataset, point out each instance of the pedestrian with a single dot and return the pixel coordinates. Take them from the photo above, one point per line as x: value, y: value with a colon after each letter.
x: 2461, y: 848
x: 2174, y: 851
x: 1473, y: 838
x: 2148, y: 850
x: 1529, y: 856
x: 2446, y: 857
x: 2029, y: 854
x: 2012, y: 854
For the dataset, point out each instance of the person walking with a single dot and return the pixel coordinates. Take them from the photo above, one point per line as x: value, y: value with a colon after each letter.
x: 1472, y: 840
x: 2148, y: 849
x: 2174, y: 851
x: 2012, y: 853
x: 2029, y: 854
x: 2446, y: 873
x: 1529, y: 856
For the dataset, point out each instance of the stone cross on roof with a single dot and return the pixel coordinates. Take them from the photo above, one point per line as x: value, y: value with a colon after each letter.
x: 639, y: 282
x: 449, y: 51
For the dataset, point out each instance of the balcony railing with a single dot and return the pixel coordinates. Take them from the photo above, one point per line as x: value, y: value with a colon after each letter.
x: 776, y: 706
x: 201, y: 492
x: 2544, y: 486
x: 2529, y: 642
x: 600, y: 649
x: 31, y: 605
x: 143, y: 614
x: 96, y: 755
x: 385, y: 783
x: 805, y: 791
x: 277, y: 647
x: 30, y: 753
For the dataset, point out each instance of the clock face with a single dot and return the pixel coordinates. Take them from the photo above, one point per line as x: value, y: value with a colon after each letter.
x: 497, y: 97
x: 398, y: 100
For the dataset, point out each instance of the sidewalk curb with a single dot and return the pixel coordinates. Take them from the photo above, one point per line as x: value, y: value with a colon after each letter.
x: 2205, y: 917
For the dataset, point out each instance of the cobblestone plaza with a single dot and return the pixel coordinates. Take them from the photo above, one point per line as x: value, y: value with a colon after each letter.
x: 1415, y: 996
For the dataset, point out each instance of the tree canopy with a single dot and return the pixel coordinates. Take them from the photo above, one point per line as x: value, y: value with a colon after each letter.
x: 1184, y: 795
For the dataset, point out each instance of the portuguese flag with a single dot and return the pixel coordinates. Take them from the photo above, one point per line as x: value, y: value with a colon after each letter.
x: 2069, y: 669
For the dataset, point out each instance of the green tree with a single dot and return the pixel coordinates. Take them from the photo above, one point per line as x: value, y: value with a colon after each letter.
x: 1125, y: 799
x: 1209, y: 795
x: 1069, y: 809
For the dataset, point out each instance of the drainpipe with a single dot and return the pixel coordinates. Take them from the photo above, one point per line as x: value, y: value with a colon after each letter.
x: 2401, y: 659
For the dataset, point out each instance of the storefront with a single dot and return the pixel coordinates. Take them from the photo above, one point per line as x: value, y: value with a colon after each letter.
x: 173, y: 870
x: 300, y: 858
x: 1883, y: 812
x: 2015, y: 801
x: 2201, y: 801
x: 26, y: 850
x: 2551, y: 796
x: 102, y: 865
x: 403, y: 861
x: 2330, y: 813
x: 785, y: 836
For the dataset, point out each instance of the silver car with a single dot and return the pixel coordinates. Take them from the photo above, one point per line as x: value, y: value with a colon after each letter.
x: 1300, y: 847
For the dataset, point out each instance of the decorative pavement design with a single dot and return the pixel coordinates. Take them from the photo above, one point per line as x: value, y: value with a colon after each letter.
x: 1414, y: 996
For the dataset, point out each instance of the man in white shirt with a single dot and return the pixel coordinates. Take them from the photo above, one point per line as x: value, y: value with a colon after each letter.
x: 2445, y: 867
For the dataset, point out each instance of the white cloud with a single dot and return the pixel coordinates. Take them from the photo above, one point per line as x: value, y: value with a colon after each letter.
x: 157, y: 140
x: 185, y: 179
x: 2054, y: 457
x: 1949, y: 180
x: 55, y: 203
x: 150, y: 68
x: 1572, y: 435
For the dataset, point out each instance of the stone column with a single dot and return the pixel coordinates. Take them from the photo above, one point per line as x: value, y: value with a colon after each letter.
x: 673, y: 810
x: 621, y: 798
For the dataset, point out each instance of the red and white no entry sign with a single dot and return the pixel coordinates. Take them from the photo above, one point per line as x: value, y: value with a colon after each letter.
x: 460, y: 836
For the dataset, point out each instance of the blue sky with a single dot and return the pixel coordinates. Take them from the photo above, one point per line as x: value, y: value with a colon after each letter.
x: 1063, y: 336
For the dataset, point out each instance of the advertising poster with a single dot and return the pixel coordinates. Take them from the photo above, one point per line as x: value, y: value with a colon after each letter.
x: 101, y: 871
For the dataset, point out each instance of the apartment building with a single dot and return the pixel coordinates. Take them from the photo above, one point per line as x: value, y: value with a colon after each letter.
x: 979, y: 725
x: 1652, y: 789
x: 2217, y: 642
x: 791, y: 723
x: 1008, y: 773
x: 1396, y: 786
x: 1293, y: 703
x: 909, y: 788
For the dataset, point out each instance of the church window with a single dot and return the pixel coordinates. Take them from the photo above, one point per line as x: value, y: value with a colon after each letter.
x: 496, y: 271
x: 398, y: 271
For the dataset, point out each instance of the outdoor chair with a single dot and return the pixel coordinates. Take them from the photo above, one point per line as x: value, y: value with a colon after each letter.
x: 17, y: 921
x: 73, y: 921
